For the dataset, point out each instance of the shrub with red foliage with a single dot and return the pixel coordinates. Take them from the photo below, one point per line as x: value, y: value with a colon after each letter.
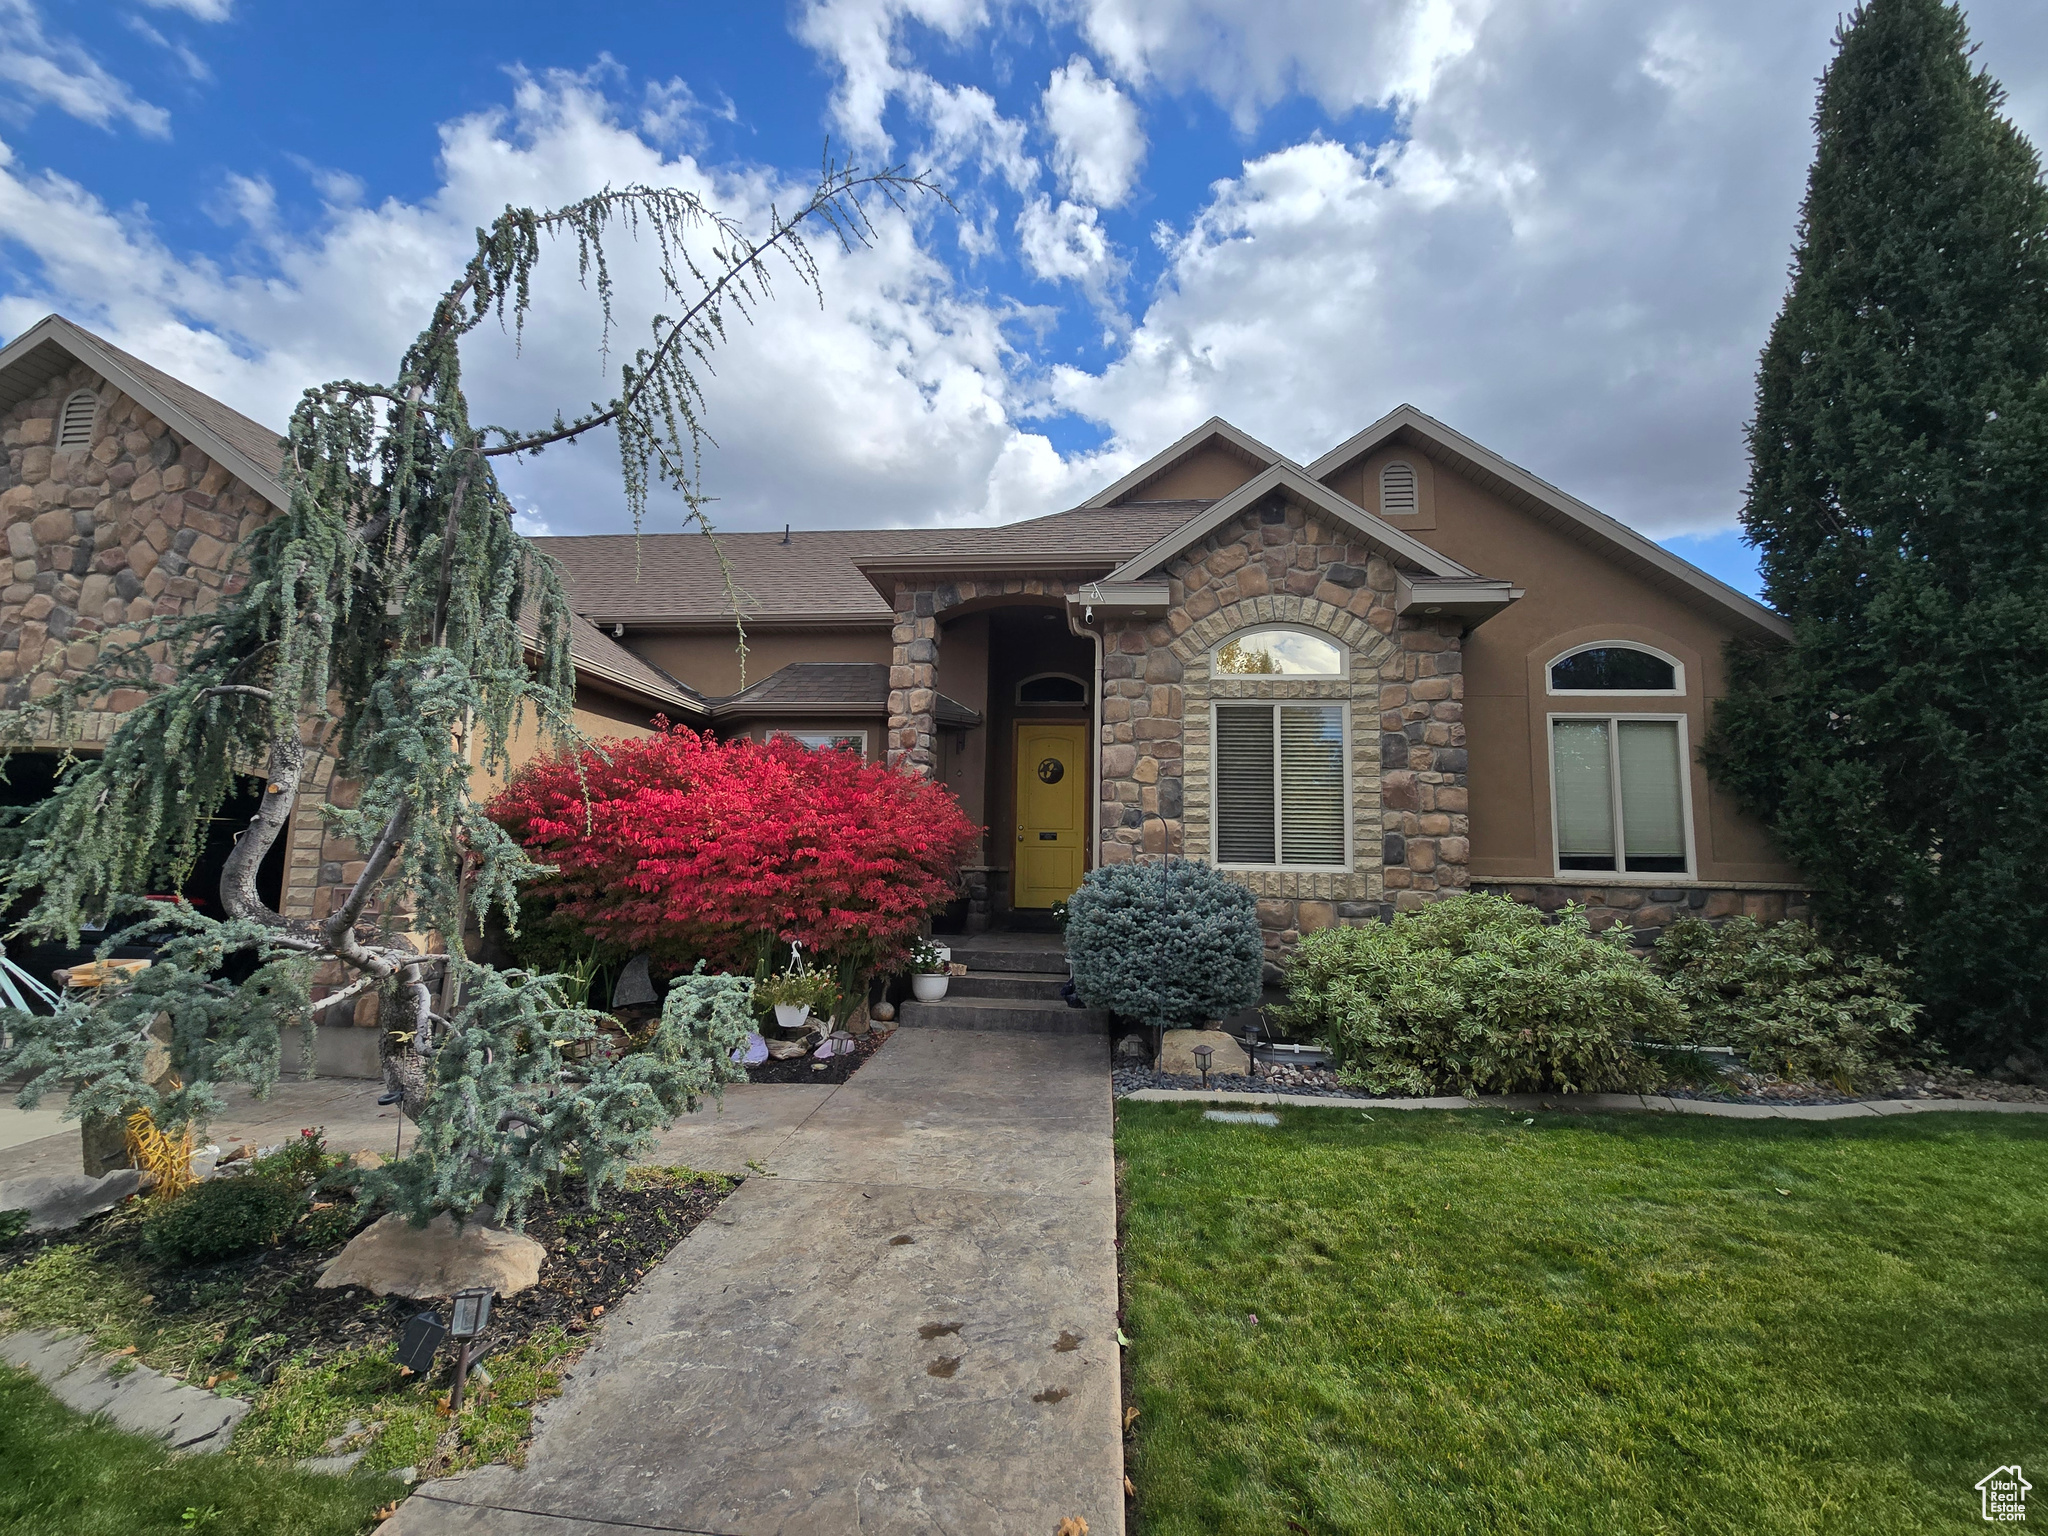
x: 691, y: 848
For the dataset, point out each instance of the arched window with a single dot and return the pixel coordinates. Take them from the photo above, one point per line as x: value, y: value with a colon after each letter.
x: 1052, y: 688
x: 1277, y: 653
x: 74, y: 422
x: 1615, y: 667
x: 1397, y: 489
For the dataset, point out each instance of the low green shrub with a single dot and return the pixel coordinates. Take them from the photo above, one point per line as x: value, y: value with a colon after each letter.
x: 224, y: 1217
x: 1797, y: 1007
x: 1479, y: 994
x: 1167, y: 944
x: 12, y: 1225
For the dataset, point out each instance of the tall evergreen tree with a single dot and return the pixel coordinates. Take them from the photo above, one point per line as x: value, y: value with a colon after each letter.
x: 1898, y: 748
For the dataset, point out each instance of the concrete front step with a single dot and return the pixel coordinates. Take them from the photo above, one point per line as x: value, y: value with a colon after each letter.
x: 1020, y: 986
x: 1039, y: 959
x: 1011, y: 1015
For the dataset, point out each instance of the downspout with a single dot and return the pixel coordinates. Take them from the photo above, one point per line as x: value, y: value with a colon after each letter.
x: 1077, y: 621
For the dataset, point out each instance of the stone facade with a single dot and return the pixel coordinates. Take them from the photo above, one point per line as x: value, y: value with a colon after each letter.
x: 1649, y: 910
x: 1280, y: 564
x: 913, y: 673
x: 136, y: 524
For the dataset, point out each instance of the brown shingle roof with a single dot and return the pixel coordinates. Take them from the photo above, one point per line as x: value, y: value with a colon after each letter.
x: 829, y: 687
x: 596, y: 653
x: 816, y: 577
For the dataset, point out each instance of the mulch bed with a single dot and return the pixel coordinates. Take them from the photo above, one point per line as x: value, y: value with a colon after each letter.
x: 594, y: 1258
x: 806, y: 1069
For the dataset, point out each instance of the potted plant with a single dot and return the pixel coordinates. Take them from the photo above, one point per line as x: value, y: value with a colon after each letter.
x: 796, y: 995
x: 928, y: 979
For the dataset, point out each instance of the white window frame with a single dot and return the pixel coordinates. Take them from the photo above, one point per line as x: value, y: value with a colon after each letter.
x: 1342, y: 674
x: 1618, y: 875
x: 1343, y: 708
x: 1039, y: 677
x: 829, y: 738
x: 1677, y: 673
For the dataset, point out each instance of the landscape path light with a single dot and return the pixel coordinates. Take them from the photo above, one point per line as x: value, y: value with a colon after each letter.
x: 1202, y: 1055
x: 469, y: 1316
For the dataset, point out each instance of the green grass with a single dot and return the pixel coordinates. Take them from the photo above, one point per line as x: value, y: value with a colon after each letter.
x: 62, y: 1471
x: 1469, y: 1323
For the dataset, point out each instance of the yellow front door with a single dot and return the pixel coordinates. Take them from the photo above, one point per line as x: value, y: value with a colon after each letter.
x: 1052, y: 812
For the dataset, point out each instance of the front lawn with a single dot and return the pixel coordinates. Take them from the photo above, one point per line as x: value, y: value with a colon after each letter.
x: 1479, y: 1322
x: 62, y: 1471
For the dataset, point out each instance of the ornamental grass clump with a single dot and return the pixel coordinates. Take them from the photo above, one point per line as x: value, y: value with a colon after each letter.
x: 1172, y: 944
x: 1478, y: 994
x: 1797, y: 1007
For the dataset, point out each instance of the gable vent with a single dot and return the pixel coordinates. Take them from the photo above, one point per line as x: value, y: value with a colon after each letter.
x: 1397, y: 489
x: 74, y: 423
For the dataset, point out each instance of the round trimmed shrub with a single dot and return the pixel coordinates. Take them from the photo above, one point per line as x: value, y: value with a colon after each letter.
x: 1478, y: 994
x: 1170, y: 944
x: 222, y: 1218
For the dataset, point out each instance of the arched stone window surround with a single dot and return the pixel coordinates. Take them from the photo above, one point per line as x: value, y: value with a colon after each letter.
x: 1372, y: 654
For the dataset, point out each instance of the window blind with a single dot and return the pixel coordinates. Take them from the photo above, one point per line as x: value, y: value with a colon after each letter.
x: 1652, y: 812
x: 1311, y: 784
x: 1245, y: 784
x: 1583, y: 779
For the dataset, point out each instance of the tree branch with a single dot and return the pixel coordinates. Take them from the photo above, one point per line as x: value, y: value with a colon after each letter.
x: 238, y: 895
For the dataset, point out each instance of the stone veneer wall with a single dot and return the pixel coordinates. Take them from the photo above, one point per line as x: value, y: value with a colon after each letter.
x: 913, y: 672
x: 1649, y: 910
x: 137, y: 524
x: 1280, y: 564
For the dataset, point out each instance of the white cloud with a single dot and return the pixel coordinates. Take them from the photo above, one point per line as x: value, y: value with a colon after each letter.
x: 198, y: 10
x: 1066, y: 244
x: 890, y: 404
x: 38, y: 70
x: 1097, y: 143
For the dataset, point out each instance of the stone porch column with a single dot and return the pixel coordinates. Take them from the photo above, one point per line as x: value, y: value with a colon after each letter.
x: 913, y: 672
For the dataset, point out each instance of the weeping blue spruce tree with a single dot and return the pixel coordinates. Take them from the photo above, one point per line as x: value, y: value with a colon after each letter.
x: 393, y: 618
x: 1898, y: 748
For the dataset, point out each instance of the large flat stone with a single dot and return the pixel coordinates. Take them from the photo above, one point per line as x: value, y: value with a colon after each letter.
x: 776, y: 1373
x: 390, y: 1257
x: 56, y: 1200
x: 142, y: 1401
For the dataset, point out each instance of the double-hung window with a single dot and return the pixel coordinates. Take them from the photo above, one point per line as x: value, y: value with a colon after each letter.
x: 1618, y: 785
x: 1281, y: 766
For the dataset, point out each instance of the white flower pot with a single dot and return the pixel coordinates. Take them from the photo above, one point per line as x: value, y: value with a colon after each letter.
x: 792, y: 1015
x: 928, y: 987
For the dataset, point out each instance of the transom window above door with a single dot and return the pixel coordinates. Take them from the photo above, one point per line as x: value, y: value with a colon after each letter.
x: 1615, y: 667
x: 1278, y: 653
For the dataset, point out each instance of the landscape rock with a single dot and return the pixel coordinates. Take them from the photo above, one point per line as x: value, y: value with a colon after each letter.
x: 55, y: 1201
x: 1177, y: 1052
x: 392, y: 1258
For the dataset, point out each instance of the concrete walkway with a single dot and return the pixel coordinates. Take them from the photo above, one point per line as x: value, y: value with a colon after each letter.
x: 909, y: 1327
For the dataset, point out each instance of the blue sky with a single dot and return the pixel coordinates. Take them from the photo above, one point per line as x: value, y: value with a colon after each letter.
x: 1562, y: 230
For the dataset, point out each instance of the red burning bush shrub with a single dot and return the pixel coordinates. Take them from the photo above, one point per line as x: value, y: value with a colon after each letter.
x: 692, y: 848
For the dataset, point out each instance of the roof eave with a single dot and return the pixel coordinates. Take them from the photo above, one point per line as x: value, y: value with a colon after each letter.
x: 1472, y: 601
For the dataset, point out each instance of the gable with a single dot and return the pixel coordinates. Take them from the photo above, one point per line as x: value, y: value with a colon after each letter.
x: 1440, y: 450
x: 1211, y: 461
